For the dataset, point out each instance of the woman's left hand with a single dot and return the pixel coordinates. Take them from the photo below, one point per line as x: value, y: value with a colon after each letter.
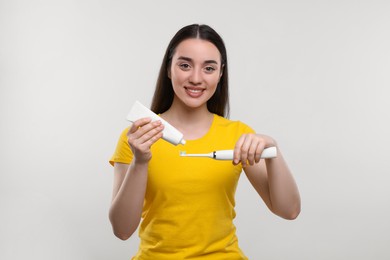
x: 249, y: 147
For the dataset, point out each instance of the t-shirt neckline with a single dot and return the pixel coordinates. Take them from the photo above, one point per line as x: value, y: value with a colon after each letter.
x: 209, y: 131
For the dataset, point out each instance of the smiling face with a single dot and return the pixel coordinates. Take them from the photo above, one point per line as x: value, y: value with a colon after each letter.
x: 195, y: 72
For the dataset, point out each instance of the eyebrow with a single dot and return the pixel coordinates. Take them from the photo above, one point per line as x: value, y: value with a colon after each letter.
x: 190, y: 60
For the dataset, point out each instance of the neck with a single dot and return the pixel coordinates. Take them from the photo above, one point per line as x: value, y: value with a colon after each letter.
x: 192, y: 122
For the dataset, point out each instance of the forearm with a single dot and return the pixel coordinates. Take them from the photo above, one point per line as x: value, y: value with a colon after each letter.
x: 283, y: 192
x: 126, y: 208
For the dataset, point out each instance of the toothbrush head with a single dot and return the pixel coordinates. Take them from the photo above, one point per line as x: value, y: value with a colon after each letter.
x: 185, y: 154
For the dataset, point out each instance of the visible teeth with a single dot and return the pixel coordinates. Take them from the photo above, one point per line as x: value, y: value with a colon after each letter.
x: 194, y: 90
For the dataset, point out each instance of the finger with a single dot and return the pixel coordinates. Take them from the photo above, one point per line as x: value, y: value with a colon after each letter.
x: 237, y: 150
x: 153, y: 139
x: 259, y: 151
x: 141, y: 128
x: 143, y: 132
x: 139, y: 123
x: 141, y: 146
x: 244, y: 150
x: 252, y: 151
x: 151, y: 135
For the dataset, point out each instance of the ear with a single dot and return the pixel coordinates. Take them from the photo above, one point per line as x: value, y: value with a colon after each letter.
x: 169, y: 73
x: 222, y: 67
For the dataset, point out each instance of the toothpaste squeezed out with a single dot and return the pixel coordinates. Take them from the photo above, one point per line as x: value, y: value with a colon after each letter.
x: 170, y: 134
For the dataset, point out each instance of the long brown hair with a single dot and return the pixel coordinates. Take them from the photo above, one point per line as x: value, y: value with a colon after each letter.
x: 163, y: 94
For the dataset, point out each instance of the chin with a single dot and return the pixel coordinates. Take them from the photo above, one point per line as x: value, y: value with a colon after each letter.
x: 195, y: 103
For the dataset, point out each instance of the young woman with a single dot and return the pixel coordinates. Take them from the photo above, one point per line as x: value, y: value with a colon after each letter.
x: 187, y: 204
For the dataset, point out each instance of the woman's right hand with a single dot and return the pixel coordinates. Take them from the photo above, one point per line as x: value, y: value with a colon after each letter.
x: 141, y: 136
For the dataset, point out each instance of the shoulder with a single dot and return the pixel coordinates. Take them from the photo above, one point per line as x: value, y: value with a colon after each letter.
x: 234, y: 125
x: 122, y: 153
x: 124, y: 133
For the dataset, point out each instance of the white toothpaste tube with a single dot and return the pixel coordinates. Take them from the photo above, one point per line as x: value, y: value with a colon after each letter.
x: 170, y: 134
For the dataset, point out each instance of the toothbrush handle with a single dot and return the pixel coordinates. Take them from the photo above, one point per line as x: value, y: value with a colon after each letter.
x: 224, y: 155
x: 267, y: 153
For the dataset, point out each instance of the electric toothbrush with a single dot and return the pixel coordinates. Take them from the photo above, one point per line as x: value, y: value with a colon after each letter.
x: 267, y: 153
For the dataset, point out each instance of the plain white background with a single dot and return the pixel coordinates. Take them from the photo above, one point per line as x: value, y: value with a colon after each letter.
x: 312, y: 74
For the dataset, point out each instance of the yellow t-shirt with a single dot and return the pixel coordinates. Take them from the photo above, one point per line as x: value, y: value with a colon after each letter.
x: 189, y: 203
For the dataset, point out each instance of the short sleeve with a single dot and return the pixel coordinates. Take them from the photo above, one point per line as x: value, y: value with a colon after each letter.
x: 246, y: 129
x: 123, y: 153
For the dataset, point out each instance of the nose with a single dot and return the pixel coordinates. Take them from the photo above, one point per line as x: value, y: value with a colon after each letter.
x: 195, y: 77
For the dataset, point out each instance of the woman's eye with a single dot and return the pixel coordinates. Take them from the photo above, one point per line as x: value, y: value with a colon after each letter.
x: 209, y: 69
x: 184, y: 66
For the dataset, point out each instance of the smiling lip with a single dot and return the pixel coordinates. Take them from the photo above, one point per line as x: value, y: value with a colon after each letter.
x: 194, y: 92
